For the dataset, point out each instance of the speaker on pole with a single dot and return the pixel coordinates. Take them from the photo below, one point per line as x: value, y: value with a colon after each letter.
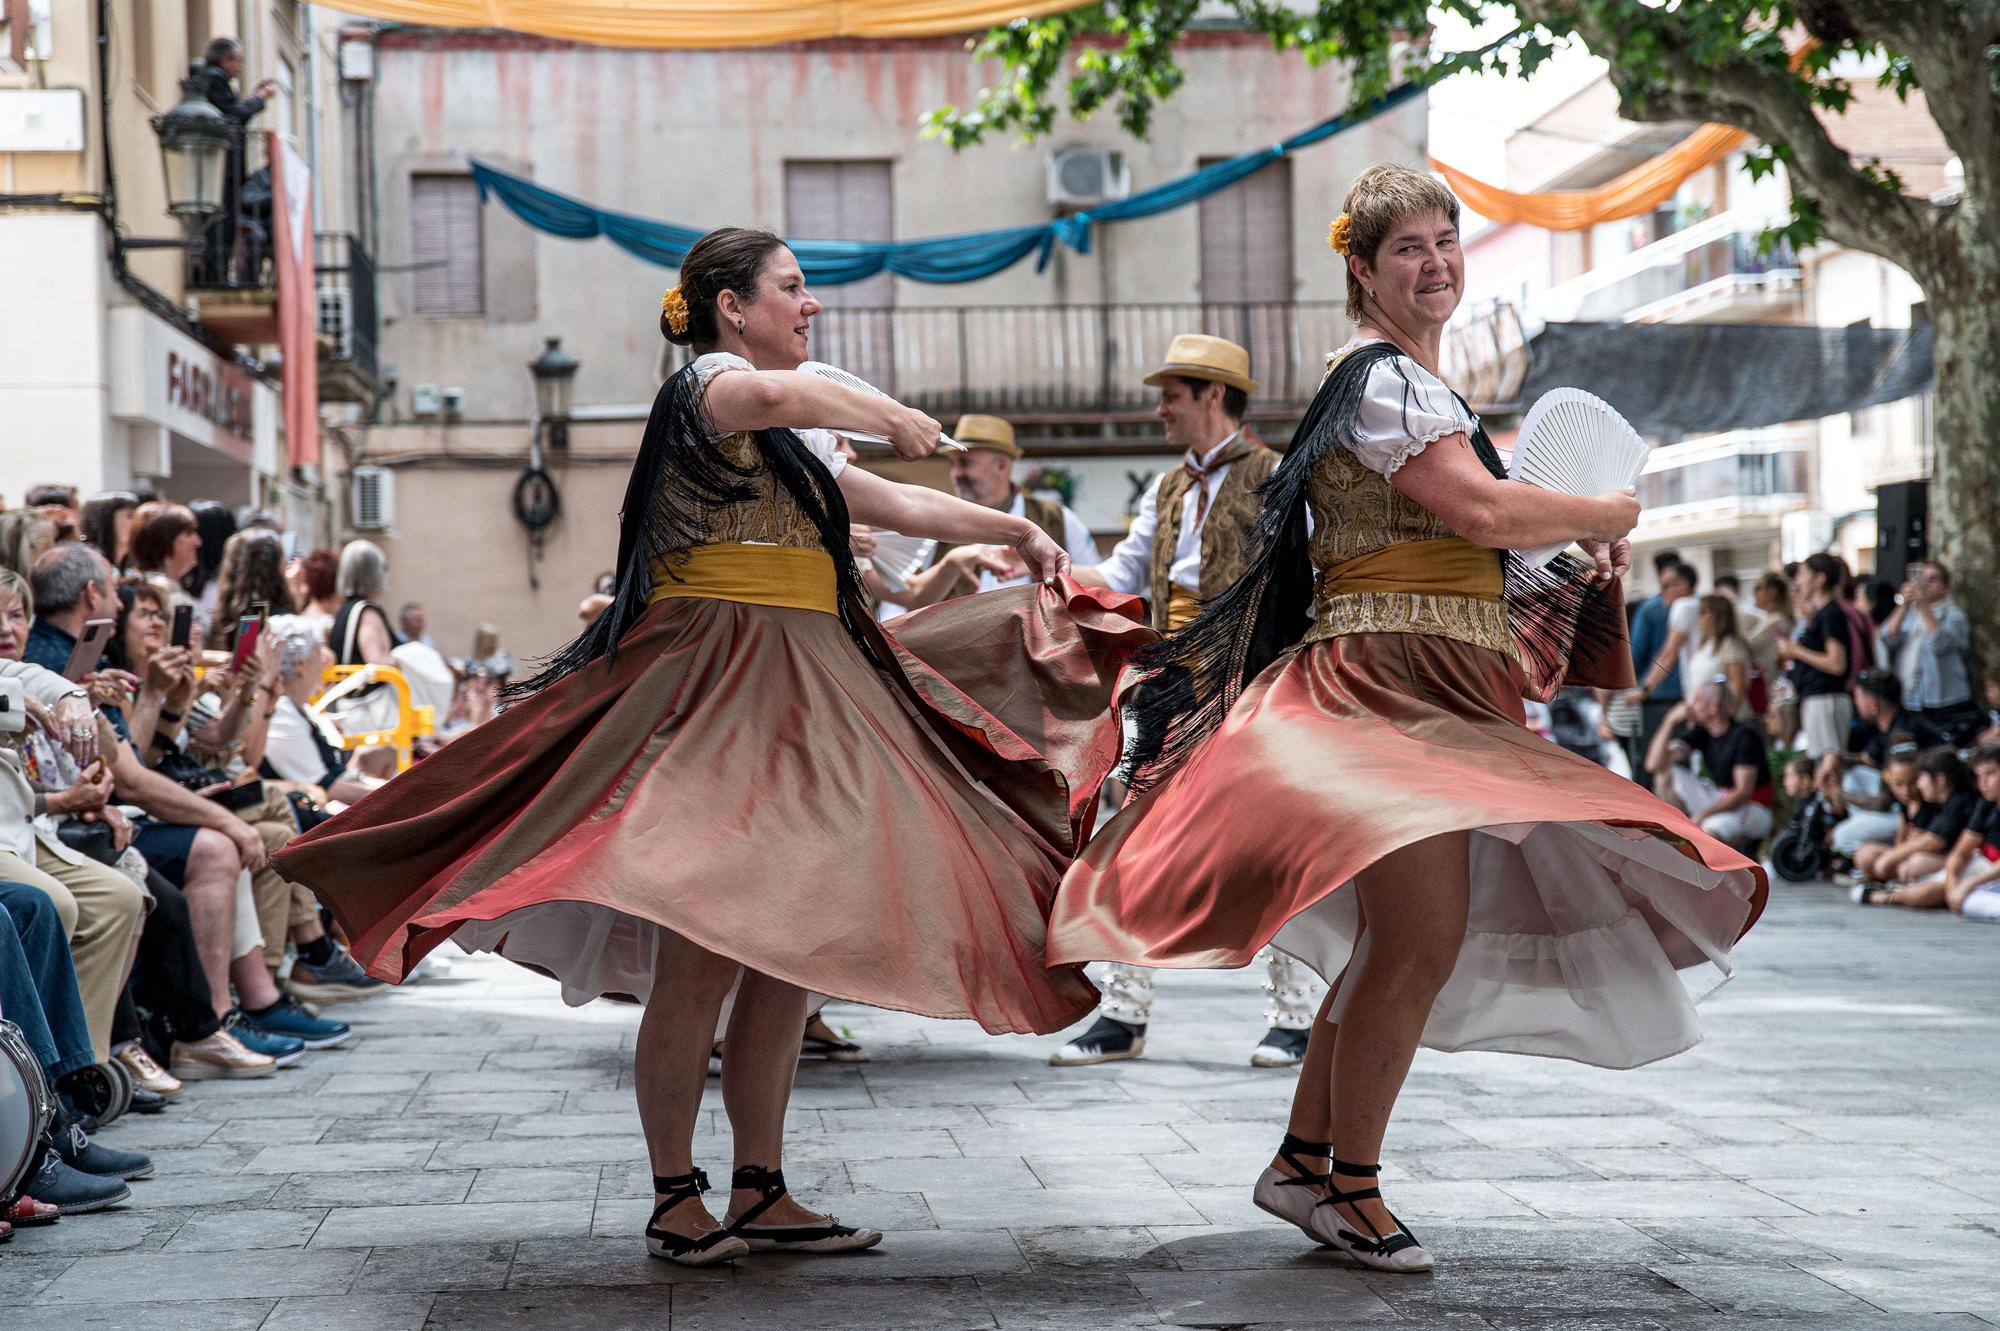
x: 1901, y: 529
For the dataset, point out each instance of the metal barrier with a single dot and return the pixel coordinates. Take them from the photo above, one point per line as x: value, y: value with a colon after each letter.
x: 412, y: 721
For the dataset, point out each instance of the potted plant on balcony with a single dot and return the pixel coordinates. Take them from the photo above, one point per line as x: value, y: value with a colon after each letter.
x: 1052, y: 482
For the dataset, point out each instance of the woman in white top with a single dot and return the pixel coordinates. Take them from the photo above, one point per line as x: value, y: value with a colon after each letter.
x: 1719, y: 652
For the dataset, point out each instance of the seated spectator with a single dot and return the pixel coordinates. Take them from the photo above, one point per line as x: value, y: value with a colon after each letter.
x: 1820, y: 657
x: 315, y: 581
x: 100, y: 907
x: 166, y: 541
x: 1870, y: 806
x: 263, y: 1017
x: 414, y: 624
x: 1929, y: 642
x: 107, y: 524
x: 360, y: 634
x: 1719, y: 652
x: 251, y: 573
x: 1879, y: 714
x: 1730, y: 795
x: 1946, y: 802
x: 195, y: 843
x: 214, y: 525
x: 1990, y: 693
x: 1969, y: 882
x: 57, y: 503
x: 24, y: 536
x: 488, y: 657
x: 38, y: 992
x: 1799, y: 779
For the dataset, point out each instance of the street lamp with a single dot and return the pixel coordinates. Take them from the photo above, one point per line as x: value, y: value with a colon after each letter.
x: 195, y: 140
x: 555, y: 376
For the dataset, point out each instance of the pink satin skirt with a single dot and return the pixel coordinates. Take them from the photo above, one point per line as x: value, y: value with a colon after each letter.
x: 744, y: 777
x: 1599, y: 914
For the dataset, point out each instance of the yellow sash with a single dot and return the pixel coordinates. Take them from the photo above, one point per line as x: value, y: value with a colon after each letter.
x: 778, y: 575
x: 1182, y: 606
x: 1448, y: 566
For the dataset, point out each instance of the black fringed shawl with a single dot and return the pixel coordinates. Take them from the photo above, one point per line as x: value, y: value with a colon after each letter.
x: 1200, y: 670
x: 679, y: 478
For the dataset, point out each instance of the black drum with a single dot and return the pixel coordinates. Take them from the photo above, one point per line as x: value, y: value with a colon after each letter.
x: 27, y: 1107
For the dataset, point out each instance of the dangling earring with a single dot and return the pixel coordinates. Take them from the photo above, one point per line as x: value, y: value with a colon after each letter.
x: 1371, y: 293
x: 739, y: 327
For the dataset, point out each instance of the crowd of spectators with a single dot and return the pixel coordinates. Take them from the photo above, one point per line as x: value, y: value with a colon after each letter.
x: 1838, y: 725
x: 162, y: 734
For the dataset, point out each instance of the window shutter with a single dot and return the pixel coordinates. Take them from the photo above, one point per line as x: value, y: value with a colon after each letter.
x: 1246, y: 239
x: 445, y: 246
x: 843, y: 201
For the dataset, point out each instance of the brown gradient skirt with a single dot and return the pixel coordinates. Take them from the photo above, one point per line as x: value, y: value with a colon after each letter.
x: 742, y: 776
x: 1589, y: 896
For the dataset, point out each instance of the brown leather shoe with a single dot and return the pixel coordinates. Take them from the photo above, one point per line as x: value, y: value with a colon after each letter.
x: 148, y: 1074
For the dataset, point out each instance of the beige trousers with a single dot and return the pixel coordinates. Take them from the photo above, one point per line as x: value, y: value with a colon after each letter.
x: 102, y: 910
x: 281, y: 904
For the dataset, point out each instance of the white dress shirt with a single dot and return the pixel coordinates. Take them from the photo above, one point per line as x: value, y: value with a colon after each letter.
x: 1077, y: 540
x: 1129, y: 568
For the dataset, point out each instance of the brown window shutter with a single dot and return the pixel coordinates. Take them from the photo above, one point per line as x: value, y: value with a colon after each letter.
x: 445, y: 246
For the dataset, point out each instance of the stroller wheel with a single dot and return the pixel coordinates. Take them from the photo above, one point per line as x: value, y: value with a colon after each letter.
x: 1797, y: 858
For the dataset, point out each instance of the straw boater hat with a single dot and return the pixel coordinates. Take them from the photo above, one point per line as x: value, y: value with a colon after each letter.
x: 1199, y: 356
x: 987, y: 432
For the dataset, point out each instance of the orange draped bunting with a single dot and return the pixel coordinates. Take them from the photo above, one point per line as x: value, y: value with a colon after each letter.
x: 1640, y: 190
x: 697, y: 24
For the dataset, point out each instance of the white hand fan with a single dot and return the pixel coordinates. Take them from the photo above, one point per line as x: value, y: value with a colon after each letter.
x: 898, y: 558
x: 840, y: 376
x: 1574, y: 443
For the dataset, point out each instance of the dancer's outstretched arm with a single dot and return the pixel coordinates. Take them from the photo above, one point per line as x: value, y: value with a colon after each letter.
x: 918, y: 510
x: 1450, y: 481
x: 788, y: 399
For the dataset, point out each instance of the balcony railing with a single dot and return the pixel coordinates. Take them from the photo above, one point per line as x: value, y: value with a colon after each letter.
x: 344, y: 278
x: 1709, y: 252
x: 1050, y: 362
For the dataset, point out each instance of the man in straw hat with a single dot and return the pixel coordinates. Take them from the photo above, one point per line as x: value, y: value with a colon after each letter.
x: 1191, y: 539
x: 984, y: 474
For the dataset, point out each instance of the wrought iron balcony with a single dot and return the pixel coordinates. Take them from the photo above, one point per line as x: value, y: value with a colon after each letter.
x: 348, y: 320
x: 1064, y: 364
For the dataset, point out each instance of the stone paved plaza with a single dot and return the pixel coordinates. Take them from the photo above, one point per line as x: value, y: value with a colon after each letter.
x: 1826, y: 1160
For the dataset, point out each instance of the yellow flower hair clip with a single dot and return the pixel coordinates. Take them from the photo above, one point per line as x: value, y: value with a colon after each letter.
x: 1337, y: 234
x: 675, y: 307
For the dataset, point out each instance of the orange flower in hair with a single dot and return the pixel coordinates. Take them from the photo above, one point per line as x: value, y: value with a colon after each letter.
x: 1337, y: 234
x: 675, y: 307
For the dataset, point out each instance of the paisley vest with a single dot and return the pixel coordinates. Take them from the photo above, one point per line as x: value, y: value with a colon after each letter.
x: 1226, y: 532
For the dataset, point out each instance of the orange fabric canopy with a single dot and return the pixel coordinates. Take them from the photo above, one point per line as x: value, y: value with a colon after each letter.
x: 695, y: 24
x: 1640, y: 190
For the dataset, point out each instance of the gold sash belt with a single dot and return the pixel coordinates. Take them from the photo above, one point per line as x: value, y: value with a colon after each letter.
x: 1449, y: 566
x: 788, y: 576
x: 1182, y: 606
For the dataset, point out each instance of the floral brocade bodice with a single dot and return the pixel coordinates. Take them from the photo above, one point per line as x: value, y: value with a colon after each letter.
x: 1357, y: 510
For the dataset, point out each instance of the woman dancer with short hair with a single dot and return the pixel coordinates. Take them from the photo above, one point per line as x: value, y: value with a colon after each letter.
x: 1336, y: 760
x: 734, y: 778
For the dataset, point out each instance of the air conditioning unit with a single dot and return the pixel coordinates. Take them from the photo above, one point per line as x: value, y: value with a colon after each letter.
x: 374, y: 496
x: 424, y: 400
x: 1082, y: 176
x: 336, y: 319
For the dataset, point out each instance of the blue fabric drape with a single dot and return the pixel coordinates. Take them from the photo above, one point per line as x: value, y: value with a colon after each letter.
x: 940, y: 259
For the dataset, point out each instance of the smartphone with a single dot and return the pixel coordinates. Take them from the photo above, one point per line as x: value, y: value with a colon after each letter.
x: 248, y: 629
x: 89, y: 649
x: 183, y: 625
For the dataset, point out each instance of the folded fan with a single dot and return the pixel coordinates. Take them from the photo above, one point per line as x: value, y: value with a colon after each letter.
x: 840, y: 376
x: 898, y: 558
x: 1574, y: 443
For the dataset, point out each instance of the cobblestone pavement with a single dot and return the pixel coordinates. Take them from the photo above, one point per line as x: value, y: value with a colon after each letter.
x: 1827, y: 1159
